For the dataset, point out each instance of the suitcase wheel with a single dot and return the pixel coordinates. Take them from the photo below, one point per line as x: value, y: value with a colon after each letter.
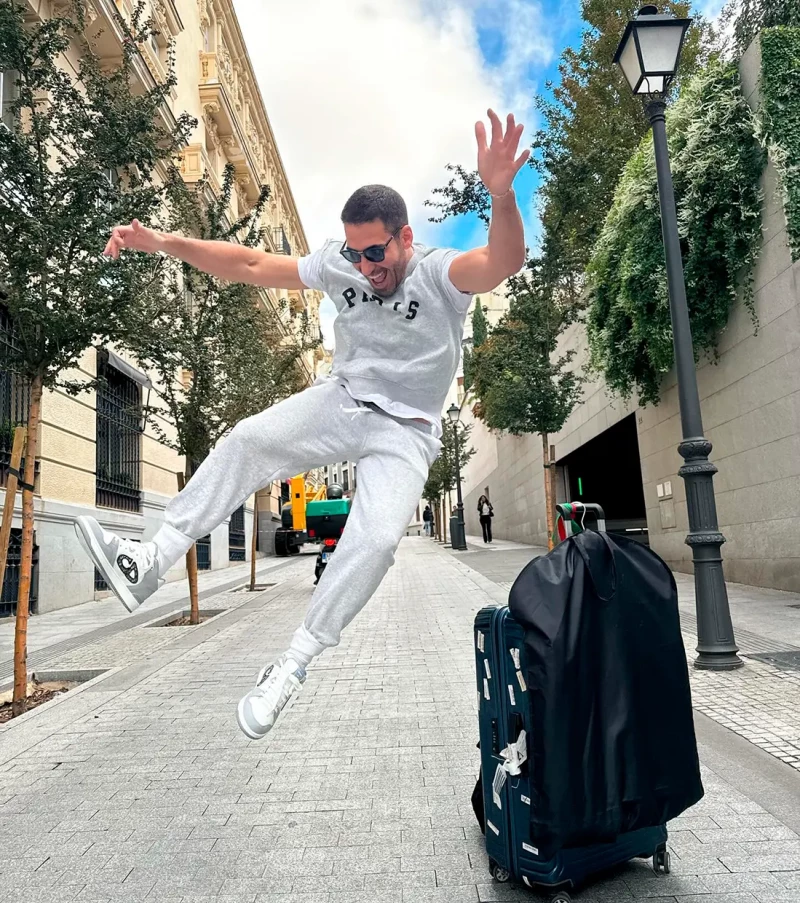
x: 661, y: 860
x: 497, y: 872
x: 561, y: 897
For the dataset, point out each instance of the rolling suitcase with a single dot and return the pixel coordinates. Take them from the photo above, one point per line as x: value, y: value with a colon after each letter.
x: 504, y: 794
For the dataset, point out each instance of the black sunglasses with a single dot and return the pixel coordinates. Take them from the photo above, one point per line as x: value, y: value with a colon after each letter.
x: 374, y: 253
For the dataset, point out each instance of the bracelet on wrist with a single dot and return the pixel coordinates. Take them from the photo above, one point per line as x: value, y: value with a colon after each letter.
x: 497, y: 197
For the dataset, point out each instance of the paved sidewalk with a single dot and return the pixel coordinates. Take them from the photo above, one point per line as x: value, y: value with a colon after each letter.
x: 68, y: 628
x: 138, y: 786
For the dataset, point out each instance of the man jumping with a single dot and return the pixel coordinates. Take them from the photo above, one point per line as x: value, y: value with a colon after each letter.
x: 398, y: 333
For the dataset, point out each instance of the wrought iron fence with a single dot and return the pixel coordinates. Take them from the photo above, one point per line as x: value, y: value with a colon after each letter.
x: 236, y: 539
x: 281, y: 241
x: 118, y: 438
x: 10, y: 593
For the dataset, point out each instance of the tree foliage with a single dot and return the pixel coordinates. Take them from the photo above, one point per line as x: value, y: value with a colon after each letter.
x: 235, y: 355
x: 592, y: 124
x: 779, y: 124
x: 717, y: 164
x: 78, y: 156
x: 442, y: 476
x: 479, y: 333
x: 523, y: 384
x: 746, y: 18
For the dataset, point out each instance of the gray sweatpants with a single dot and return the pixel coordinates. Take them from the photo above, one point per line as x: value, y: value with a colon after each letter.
x: 321, y: 425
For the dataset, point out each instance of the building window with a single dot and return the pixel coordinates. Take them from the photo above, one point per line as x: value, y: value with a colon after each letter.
x: 204, y: 553
x: 118, y: 438
x: 236, y: 544
x: 8, y: 94
x: 15, y: 395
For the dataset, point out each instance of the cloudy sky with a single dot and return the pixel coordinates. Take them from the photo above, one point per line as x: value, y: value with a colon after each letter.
x: 362, y: 91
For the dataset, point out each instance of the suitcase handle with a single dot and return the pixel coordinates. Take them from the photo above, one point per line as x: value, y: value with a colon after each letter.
x: 577, y: 511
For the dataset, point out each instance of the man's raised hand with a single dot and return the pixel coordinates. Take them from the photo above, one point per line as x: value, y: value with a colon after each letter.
x: 135, y: 237
x: 498, y: 163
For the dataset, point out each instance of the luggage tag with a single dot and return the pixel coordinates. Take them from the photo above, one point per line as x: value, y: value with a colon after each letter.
x: 500, y: 777
x: 516, y: 754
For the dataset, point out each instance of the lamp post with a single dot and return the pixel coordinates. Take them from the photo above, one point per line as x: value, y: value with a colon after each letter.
x: 648, y: 55
x: 459, y: 542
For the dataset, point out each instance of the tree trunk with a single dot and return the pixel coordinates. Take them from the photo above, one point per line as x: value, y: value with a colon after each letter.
x: 444, y: 519
x: 549, y: 500
x: 26, y: 563
x: 191, y: 561
x: 253, y: 546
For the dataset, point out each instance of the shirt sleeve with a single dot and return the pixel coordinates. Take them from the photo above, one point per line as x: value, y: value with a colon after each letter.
x: 460, y: 300
x: 312, y: 268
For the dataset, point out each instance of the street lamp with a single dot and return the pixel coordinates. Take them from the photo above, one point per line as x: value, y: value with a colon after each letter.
x: 648, y: 55
x: 459, y: 543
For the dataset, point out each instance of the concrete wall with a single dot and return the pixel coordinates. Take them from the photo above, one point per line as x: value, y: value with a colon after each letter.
x: 751, y: 410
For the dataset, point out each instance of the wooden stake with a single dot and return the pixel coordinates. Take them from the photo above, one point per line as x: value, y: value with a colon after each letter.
x: 548, y: 492
x: 17, y: 450
x: 253, y: 546
x: 20, y: 698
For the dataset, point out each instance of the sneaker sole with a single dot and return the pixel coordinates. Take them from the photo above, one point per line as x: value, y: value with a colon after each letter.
x: 87, y: 540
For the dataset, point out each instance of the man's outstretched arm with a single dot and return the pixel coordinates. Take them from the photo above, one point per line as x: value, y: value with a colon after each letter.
x: 483, y: 269
x: 223, y: 259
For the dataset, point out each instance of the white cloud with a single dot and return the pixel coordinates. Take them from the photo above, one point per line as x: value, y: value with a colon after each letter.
x: 362, y: 91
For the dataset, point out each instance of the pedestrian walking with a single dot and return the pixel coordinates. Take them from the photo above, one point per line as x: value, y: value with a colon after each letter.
x: 402, y: 308
x: 427, y: 519
x: 486, y: 513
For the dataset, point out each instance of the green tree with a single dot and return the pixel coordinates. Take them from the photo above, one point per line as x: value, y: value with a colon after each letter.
x: 442, y: 475
x: 480, y: 330
x: 235, y: 355
x: 523, y: 384
x: 78, y: 152
x: 592, y: 124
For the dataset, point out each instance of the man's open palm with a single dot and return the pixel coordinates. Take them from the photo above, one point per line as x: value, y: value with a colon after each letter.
x: 498, y: 163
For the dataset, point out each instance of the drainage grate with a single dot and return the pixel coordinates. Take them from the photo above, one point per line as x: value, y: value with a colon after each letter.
x: 789, y: 661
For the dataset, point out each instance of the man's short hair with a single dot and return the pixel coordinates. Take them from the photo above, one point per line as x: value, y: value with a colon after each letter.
x: 376, y: 202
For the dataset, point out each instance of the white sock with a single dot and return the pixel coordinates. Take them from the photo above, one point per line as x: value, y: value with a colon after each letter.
x: 304, y: 647
x: 171, y: 545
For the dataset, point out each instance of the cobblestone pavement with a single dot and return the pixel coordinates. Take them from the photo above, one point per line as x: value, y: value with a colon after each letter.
x: 138, y: 786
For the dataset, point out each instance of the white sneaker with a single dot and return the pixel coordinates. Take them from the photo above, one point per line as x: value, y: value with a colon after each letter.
x: 258, y: 710
x: 129, y: 568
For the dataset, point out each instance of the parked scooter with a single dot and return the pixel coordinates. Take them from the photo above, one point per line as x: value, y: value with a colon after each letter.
x: 326, y: 522
x: 326, y: 550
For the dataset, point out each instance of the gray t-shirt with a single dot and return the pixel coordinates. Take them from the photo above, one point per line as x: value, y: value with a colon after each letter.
x: 400, y: 353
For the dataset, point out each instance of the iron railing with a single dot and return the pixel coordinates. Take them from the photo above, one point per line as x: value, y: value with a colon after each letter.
x: 236, y: 538
x: 281, y: 242
x: 118, y: 438
x: 15, y: 394
x: 10, y: 593
x: 204, y: 553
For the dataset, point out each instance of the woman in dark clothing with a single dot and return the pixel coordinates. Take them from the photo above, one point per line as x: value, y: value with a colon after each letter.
x: 486, y: 513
